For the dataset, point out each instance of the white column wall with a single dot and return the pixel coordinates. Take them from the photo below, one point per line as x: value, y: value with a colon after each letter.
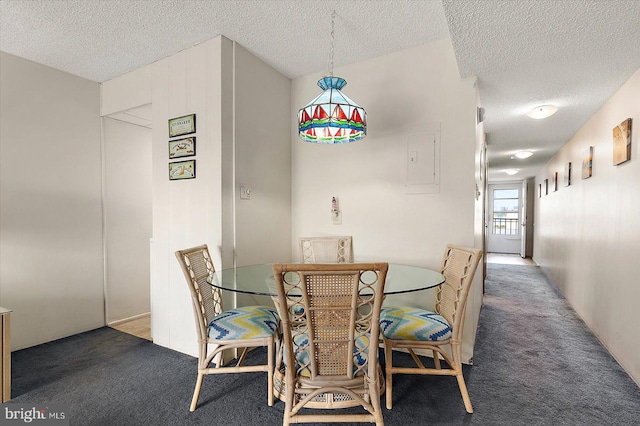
x: 587, y: 235
x: 185, y: 212
x: 404, y: 93
x: 242, y: 119
x: 262, y: 144
x: 262, y: 99
x: 51, y: 263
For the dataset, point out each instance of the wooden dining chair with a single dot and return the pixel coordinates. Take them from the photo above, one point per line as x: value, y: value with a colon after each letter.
x: 240, y: 328
x: 413, y: 328
x: 329, y: 313
x: 326, y: 249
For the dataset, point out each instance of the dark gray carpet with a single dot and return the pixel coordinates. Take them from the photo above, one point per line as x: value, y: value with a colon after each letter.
x: 535, y: 364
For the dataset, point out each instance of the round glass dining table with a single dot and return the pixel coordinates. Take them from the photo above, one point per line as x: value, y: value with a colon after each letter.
x: 258, y: 279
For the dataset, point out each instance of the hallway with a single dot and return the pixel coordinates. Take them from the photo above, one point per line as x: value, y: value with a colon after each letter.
x: 509, y: 259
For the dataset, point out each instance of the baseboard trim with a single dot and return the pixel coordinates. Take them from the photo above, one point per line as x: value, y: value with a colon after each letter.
x: 135, y: 317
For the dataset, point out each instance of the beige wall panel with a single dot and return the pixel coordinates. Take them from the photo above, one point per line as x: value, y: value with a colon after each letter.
x: 587, y: 235
x: 127, y: 91
x: 51, y: 267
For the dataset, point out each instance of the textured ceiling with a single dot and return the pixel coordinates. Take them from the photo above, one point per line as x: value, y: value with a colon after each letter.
x: 99, y: 40
x: 571, y: 53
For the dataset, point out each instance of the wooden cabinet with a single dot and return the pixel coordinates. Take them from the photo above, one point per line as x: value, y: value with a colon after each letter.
x: 5, y: 354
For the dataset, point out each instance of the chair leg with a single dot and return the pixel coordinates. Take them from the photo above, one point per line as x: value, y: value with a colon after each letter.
x: 374, y: 399
x: 196, y: 392
x: 288, y: 403
x: 456, y: 349
x: 465, y: 393
x: 388, y: 361
x: 270, y: 362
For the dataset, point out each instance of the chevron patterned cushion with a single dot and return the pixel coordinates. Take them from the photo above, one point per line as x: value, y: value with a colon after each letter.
x: 248, y: 322
x: 405, y: 323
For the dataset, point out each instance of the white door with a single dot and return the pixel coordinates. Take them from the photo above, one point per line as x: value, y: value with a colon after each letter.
x: 504, y: 233
x: 523, y: 220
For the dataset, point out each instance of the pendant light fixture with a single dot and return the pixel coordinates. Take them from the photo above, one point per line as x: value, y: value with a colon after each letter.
x: 332, y: 117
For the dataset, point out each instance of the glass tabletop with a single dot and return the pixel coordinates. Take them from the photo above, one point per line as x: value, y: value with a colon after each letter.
x: 258, y: 279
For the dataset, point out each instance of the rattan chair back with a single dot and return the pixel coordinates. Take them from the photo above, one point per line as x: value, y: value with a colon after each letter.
x: 459, y: 265
x: 207, y: 300
x: 330, y: 316
x: 326, y: 249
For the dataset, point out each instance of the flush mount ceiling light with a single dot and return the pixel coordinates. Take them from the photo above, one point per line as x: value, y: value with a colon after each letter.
x: 511, y: 172
x: 542, y: 111
x: 332, y: 117
x: 523, y: 154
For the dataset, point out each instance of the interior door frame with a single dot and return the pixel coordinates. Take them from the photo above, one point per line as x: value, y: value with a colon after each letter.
x: 108, y: 236
x: 523, y: 218
x: 489, y: 209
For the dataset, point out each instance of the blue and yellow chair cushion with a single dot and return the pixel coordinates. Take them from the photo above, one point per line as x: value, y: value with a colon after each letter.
x: 406, y: 323
x: 249, y: 322
x: 301, y: 341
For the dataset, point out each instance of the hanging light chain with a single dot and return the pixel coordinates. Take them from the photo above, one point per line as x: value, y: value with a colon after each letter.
x: 333, y: 18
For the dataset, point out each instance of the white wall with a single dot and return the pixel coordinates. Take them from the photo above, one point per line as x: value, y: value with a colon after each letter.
x: 262, y: 99
x: 127, y: 91
x: 262, y: 152
x: 587, y: 235
x: 231, y: 92
x: 127, y: 211
x: 51, y: 263
x: 186, y: 212
x: 404, y: 93
x: 479, y: 229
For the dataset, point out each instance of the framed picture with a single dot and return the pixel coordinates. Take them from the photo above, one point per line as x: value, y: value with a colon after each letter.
x: 182, y: 170
x: 182, y: 147
x: 182, y: 125
x: 587, y: 163
x: 539, y: 190
x: 546, y: 187
x: 567, y: 174
x: 622, y: 142
x: 555, y: 181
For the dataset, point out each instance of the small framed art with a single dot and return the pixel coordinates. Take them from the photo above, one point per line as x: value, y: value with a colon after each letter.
x: 587, y: 163
x: 546, y: 187
x: 182, y: 170
x: 182, y: 125
x: 182, y: 147
x: 567, y: 174
x: 554, y: 183
x: 622, y: 142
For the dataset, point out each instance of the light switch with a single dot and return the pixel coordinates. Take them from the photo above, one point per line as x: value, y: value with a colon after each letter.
x: 245, y: 192
x: 337, y: 217
x: 413, y: 157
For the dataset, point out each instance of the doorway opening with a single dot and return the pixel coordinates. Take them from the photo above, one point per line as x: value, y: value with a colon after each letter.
x: 127, y: 219
x: 504, y: 234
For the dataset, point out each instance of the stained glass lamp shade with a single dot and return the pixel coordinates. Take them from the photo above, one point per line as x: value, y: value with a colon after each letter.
x: 332, y: 117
